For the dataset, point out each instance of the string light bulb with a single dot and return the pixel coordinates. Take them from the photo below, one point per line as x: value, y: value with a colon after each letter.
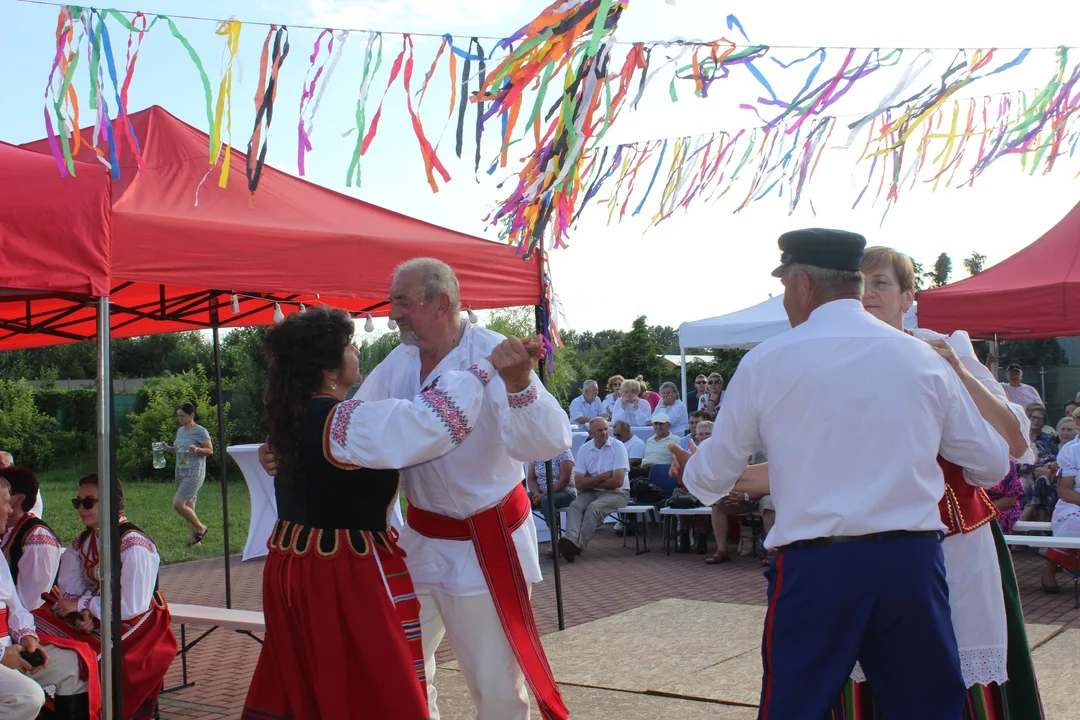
x: 369, y: 325
x: 472, y: 315
x: 392, y: 325
x: 235, y: 305
x: 302, y: 309
x: 279, y: 317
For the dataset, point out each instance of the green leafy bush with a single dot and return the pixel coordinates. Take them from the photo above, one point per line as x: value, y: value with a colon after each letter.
x: 154, y: 420
x: 25, y: 431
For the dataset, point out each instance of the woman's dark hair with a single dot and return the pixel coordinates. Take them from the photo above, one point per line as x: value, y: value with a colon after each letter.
x: 22, y: 481
x: 297, y: 352
x: 92, y: 479
x: 187, y: 409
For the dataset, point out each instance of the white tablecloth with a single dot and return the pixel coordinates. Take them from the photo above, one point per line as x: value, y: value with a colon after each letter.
x: 263, y: 503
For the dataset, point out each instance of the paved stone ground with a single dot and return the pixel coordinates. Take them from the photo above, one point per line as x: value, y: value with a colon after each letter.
x: 608, y: 579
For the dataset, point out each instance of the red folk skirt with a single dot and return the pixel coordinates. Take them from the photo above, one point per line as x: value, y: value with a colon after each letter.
x: 342, y: 630
x: 148, y: 647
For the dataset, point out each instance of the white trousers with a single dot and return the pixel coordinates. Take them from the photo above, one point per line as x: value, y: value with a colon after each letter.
x: 21, y: 696
x: 488, y: 665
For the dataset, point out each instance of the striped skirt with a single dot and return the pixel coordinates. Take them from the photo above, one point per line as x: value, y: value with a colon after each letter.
x: 342, y: 630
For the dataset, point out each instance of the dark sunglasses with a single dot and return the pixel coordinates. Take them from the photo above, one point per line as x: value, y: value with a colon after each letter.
x: 87, y: 503
x: 1037, y: 417
x: 700, y: 382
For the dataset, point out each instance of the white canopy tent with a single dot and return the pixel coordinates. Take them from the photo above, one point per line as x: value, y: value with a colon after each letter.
x: 743, y: 329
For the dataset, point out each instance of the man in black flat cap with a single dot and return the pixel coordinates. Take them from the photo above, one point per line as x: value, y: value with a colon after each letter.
x: 1016, y: 389
x: 859, y: 572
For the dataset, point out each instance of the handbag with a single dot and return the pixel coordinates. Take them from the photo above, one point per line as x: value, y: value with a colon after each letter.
x: 682, y: 500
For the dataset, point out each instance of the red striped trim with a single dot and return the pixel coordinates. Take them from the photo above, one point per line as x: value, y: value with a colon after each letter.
x: 770, y: 618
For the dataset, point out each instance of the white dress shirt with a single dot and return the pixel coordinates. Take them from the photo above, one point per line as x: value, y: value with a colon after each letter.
x: 485, y: 467
x: 139, y: 563
x: 676, y: 412
x: 609, y: 402
x: 635, y: 447
x: 596, y: 461
x: 38, y: 565
x: 20, y: 622
x: 798, y: 395
x: 638, y: 414
x: 579, y: 408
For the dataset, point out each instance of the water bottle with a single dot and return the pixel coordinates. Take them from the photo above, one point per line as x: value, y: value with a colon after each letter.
x: 159, y: 455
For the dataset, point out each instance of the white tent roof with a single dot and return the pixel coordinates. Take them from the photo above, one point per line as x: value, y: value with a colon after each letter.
x: 748, y: 327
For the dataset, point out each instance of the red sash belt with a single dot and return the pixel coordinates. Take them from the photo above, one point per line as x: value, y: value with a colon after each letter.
x: 963, y: 507
x: 4, y: 622
x: 490, y: 532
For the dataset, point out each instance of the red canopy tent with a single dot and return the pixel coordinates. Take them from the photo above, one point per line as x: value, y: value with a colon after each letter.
x: 54, y: 233
x: 175, y: 263
x: 1032, y: 294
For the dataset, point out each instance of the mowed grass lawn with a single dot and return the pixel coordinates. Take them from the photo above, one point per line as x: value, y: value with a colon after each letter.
x: 148, y: 504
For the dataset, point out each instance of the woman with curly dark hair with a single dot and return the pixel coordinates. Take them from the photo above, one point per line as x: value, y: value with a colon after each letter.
x: 342, y: 619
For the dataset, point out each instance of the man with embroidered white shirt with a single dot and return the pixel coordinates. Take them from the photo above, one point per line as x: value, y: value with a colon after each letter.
x: 587, y: 405
x: 31, y: 548
x: 6, y: 461
x: 859, y: 567
x: 471, y: 489
x: 602, y: 477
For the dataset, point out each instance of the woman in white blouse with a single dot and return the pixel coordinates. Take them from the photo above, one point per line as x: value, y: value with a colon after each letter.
x: 630, y: 407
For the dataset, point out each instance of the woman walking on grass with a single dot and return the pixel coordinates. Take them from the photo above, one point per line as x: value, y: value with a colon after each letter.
x: 191, y: 447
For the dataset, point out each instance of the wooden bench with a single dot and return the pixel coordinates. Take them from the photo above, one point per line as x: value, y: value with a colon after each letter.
x: 1066, y: 543
x: 245, y: 622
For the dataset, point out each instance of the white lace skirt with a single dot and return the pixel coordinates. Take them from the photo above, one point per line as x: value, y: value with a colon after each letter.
x: 978, y: 607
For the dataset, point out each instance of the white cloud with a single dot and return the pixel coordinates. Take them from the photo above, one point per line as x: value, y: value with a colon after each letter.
x: 431, y: 16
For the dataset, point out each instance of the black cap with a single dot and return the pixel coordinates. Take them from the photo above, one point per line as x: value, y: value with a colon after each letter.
x: 1014, y: 366
x: 823, y: 248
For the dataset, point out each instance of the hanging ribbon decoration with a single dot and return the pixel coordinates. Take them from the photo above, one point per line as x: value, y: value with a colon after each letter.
x: 370, y: 69
x: 230, y: 29
x: 306, y: 125
x: 265, y: 96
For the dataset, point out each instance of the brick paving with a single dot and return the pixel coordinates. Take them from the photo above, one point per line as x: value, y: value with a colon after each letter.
x: 608, y: 579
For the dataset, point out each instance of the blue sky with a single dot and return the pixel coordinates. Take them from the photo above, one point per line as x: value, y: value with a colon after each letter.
x: 702, y: 263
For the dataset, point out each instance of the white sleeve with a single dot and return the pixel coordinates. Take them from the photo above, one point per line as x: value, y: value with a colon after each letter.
x: 639, y: 448
x: 969, y: 441
x: 532, y: 424
x: 679, y: 418
x: 37, y: 566
x: 69, y: 580
x: 20, y: 621
x: 140, y: 561
x: 719, y: 461
x: 377, y: 384
x: 576, y: 410
x: 620, y: 460
x: 642, y: 414
x: 395, y: 433
x: 1066, y: 460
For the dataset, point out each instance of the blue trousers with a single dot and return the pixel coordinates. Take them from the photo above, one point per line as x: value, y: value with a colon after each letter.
x: 883, y: 602
x: 562, y: 501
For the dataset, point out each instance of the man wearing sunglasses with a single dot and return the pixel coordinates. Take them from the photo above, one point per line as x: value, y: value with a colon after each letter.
x: 700, y: 388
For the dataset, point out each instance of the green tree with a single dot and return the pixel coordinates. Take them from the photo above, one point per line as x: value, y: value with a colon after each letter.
x: 667, y: 338
x: 920, y: 275
x: 154, y: 420
x: 516, y: 321
x: 375, y: 348
x: 1032, y: 353
x: 939, y: 276
x: 635, y: 353
x: 974, y: 264
x: 243, y: 370
x: 25, y: 432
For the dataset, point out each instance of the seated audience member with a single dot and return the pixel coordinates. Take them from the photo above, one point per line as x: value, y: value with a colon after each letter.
x: 564, y: 491
x: 673, y: 407
x: 630, y: 407
x: 30, y: 546
x: 700, y: 384
x: 736, y: 503
x: 700, y: 523
x: 1066, y: 518
x: 6, y: 461
x: 635, y: 446
x: 1070, y: 408
x: 602, y: 477
x: 650, y: 396
x: 1006, y: 498
x: 614, y: 388
x: 22, y: 696
x: 1038, y: 479
x: 695, y: 417
x: 714, y: 398
x: 148, y: 646
x: 656, y: 447
x: 1016, y: 390
x: 587, y: 405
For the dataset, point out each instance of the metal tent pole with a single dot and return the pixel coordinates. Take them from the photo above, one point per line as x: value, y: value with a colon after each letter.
x: 224, y: 458
x: 108, y: 526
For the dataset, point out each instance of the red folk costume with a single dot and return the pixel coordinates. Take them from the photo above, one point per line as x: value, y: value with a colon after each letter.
x: 342, y: 617
x: 148, y: 644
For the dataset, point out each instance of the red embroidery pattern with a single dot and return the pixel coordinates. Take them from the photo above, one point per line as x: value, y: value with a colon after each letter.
x: 134, y: 539
x: 524, y: 398
x: 483, y: 375
x: 447, y: 411
x: 342, y: 416
x: 41, y: 536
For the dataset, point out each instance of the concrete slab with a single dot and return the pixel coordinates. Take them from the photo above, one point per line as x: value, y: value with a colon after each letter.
x: 1058, y: 675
